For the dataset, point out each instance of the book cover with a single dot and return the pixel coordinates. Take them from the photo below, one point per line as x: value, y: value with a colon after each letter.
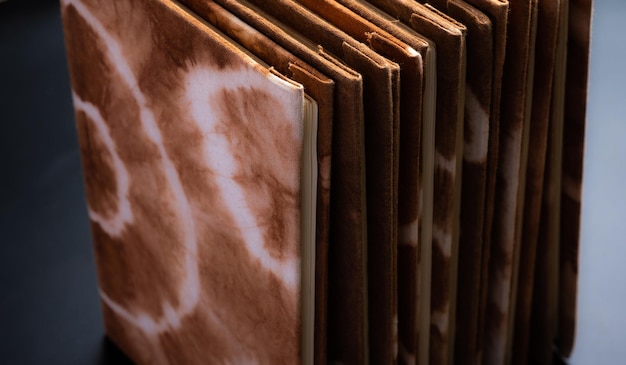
x: 192, y: 156
x: 515, y: 114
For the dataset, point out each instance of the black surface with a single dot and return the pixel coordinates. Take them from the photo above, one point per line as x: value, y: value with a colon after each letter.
x: 49, y: 306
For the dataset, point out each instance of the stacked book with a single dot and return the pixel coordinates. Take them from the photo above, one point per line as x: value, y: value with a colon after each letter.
x: 333, y: 181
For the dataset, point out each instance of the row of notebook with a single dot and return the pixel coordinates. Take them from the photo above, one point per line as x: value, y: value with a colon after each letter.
x: 438, y: 224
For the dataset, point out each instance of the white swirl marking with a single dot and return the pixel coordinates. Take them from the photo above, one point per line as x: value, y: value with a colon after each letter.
x: 219, y: 156
x: 189, y: 291
x: 475, y: 150
x: 115, y: 223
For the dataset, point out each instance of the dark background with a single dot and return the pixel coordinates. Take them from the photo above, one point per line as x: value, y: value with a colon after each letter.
x: 49, y: 307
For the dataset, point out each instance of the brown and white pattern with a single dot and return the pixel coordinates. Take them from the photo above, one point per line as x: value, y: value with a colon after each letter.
x: 497, y: 11
x: 191, y: 156
x: 476, y: 136
x: 346, y: 340
x: 510, y: 188
x: 415, y: 188
x: 384, y: 349
x: 545, y: 85
x: 449, y: 36
x: 450, y: 39
x: 380, y: 132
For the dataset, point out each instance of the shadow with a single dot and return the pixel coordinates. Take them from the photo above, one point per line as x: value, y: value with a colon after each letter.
x: 110, y: 354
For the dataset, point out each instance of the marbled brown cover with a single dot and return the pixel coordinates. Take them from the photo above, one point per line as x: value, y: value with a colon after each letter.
x: 548, y: 15
x: 381, y: 119
x: 497, y: 10
x: 511, y: 176
x: 476, y: 137
x: 384, y: 344
x: 545, y: 296
x: 321, y: 89
x: 347, y: 242
x: 415, y: 191
x: 450, y: 39
x: 191, y: 154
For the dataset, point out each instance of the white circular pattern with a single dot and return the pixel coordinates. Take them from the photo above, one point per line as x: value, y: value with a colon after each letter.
x: 113, y: 224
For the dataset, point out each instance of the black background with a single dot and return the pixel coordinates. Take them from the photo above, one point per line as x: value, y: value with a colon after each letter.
x: 49, y: 306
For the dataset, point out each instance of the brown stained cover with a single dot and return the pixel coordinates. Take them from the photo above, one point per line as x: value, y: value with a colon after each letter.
x: 497, y: 10
x: 478, y: 99
x: 412, y: 193
x: 509, y: 194
x: 549, y: 12
x: 320, y: 88
x: 573, y: 148
x: 545, y: 300
x: 450, y: 39
x: 191, y: 156
x: 411, y: 83
x: 451, y: 64
x: 347, y: 240
x: 381, y: 119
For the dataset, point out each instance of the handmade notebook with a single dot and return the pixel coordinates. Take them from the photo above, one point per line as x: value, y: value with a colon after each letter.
x: 576, y: 80
x: 384, y: 349
x: 415, y: 187
x: 509, y: 190
x: 321, y: 88
x: 450, y: 39
x: 346, y: 256
x: 333, y: 181
x: 200, y: 175
x: 478, y: 99
x: 380, y: 100
x: 545, y: 296
x: 497, y: 11
x: 545, y: 81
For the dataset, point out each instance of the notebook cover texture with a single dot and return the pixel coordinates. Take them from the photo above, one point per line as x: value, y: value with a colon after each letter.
x: 176, y: 127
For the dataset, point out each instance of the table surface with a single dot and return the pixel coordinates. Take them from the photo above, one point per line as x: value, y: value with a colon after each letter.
x: 49, y: 307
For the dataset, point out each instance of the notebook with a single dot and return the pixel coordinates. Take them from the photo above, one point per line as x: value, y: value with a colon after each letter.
x: 333, y: 181
x: 201, y: 237
x: 414, y: 212
x: 380, y: 100
x: 510, y: 184
x: 545, y: 82
x: 497, y: 11
x: 477, y: 129
x: 321, y: 88
x: 450, y: 38
x: 384, y: 349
